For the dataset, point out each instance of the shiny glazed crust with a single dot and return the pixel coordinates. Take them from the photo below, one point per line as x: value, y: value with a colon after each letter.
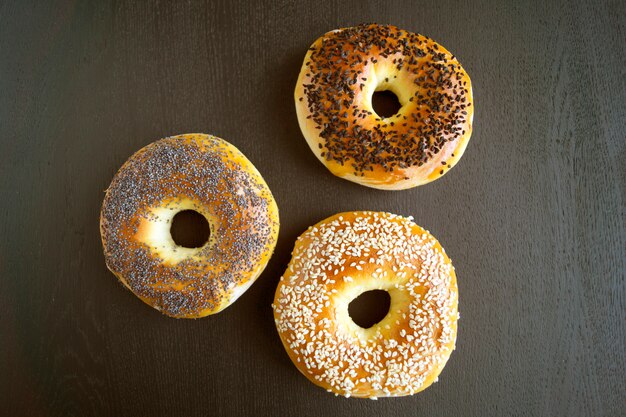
x: 334, y: 262
x: 205, y: 174
x: 427, y: 137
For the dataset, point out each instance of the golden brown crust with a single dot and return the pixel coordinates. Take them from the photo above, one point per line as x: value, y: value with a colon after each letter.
x: 338, y: 259
x: 429, y: 134
x: 198, y: 172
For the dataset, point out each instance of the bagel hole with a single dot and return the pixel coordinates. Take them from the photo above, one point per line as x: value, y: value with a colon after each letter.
x: 369, y: 308
x: 190, y: 229
x: 385, y: 103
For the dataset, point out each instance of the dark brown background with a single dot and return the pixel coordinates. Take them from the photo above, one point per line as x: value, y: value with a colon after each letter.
x: 532, y: 217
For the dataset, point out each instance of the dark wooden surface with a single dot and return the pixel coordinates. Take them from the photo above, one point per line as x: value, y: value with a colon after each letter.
x: 532, y: 217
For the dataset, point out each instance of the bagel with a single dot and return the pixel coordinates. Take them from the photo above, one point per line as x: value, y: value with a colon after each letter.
x: 188, y: 172
x: 333, y: 96
x: 344, y: 256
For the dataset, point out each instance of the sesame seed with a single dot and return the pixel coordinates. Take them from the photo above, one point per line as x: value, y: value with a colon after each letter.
x: 395, y: 356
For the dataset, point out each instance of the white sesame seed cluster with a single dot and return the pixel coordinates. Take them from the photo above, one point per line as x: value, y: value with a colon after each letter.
x: 334, y: 262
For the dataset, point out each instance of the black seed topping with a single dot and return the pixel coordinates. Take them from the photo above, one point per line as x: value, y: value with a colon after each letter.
x: 436, y: 112
x: 202, y: 169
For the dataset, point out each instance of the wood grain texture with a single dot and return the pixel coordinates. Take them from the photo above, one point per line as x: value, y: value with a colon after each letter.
x: 533, y: 216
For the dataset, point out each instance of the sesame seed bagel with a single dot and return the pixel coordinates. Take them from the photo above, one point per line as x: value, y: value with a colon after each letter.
x: 420, y: 143
x: 188, y: 172
x: 344, y: 256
